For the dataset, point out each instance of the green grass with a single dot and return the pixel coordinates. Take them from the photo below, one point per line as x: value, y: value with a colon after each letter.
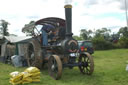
x: 109, y: 70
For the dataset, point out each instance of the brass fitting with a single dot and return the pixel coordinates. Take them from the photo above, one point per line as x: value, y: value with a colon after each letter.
x: 68, y: 6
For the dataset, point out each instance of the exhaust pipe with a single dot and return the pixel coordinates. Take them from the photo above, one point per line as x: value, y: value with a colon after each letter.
x: 68, y: 16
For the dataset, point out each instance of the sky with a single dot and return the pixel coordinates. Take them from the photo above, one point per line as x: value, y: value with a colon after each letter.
x: 86, y: 14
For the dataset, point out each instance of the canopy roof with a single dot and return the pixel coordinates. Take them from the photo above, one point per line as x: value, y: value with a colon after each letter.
x: 54, y: 21
x: 19, y: 39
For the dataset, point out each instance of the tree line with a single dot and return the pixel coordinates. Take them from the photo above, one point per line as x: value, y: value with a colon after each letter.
x: 103, y: 39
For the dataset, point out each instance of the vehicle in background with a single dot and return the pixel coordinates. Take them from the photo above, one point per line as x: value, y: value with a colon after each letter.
x: 86, y: 46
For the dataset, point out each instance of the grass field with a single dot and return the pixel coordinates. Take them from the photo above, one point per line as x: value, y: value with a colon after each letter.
x: 109, y: 70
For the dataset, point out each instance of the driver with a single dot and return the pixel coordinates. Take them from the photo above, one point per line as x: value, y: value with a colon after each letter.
x: 45, y: 30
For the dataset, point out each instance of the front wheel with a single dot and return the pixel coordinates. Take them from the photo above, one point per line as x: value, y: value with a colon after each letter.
x: 55, y: 67
x: 86, y: 63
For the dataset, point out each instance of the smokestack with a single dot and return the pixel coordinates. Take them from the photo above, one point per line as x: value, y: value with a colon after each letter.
x: 68, y: 16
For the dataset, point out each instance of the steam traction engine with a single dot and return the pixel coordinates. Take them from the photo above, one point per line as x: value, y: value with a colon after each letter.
x: 62, y: 51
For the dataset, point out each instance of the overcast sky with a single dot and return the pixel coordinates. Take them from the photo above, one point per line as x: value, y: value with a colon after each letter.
x: 89, y: 14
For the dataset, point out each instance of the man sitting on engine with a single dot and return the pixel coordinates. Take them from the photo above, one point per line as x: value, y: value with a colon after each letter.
x: 45, y: 30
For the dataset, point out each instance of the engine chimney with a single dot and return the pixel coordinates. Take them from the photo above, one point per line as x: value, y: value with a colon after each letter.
x: 68, y: 16
x: 69, y: 45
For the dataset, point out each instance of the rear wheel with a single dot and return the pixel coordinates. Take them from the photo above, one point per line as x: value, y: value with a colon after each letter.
x: 34, y: 55
x: 55, y: 67
x: 87, y: 64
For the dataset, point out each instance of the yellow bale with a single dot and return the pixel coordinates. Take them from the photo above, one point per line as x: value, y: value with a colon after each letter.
x: 13, y: 74
x: 32, y: 70
x: 31, y: 74
x: 35, y: 74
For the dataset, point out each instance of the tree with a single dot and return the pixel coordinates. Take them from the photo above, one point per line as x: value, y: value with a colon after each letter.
x: 29, y: 32
x: 114, y: 37
x: 123, y: 31
x: 123, y: 42
x: 101, y: 39
x: 85, y: 34
x: 4, y: 27
x: 102, y: 32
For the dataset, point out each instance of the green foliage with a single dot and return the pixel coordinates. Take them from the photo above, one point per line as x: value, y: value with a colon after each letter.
x: 101, y: 44
x: 116, y: 45
x: 98, y: 42
x: 103, y: 32
x: 124, y: 42
x: 4, y: 27
x: 77, y: 37
x: 30, y: 31
x: 123, y: 31
x: 85, y: 34
x: 102, y: 38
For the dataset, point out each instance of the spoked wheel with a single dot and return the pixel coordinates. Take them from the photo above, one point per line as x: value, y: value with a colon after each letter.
x: 87, y: 63
x: 34, y: 55
x: 31, y: 56
x: 55, y: 67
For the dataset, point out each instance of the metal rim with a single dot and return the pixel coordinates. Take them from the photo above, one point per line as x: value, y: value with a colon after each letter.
x: 87, y: 64
x: 55, y: 67
x: 31, y: 56
x: 34, y: 55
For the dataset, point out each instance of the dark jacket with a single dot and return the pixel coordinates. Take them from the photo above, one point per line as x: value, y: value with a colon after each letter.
x: 47, y: 28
